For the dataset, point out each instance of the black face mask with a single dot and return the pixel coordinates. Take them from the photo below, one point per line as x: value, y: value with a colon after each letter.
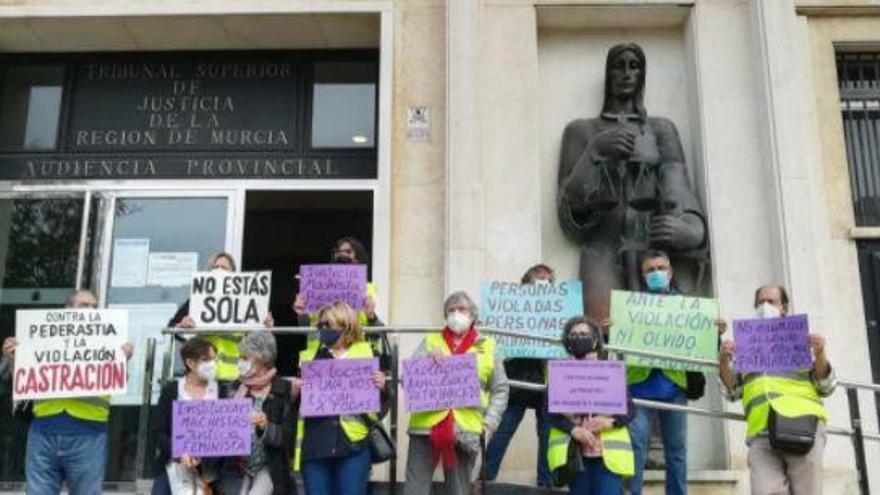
x: 580, y: 346
x: 342, y: 259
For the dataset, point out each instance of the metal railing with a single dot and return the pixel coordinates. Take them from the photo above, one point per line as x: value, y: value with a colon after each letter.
x: 855, y: 432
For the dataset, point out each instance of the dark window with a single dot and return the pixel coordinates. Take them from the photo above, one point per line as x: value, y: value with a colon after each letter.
x: 344, y: 105
x: 31, y: 106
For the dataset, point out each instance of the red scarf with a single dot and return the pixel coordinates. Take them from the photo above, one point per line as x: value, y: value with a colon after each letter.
x: 443, y: 433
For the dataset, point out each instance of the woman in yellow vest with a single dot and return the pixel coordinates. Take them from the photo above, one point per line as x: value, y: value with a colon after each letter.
x: 453, y: 436
x: 226, y: 344
x: 783, y: 468
x: 332, y: 452
x: 601, y: 446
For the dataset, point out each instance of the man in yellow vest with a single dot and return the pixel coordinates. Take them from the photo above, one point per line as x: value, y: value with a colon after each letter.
x: 786, y: 395
x: 67, y: 441
x: 452, y: 436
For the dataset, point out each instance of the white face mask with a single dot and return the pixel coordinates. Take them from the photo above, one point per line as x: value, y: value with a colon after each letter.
x: 458, y: 322
x: 542, y: 281
x: 244, y: 367
x: 207, y: 371
x: 767, y: 310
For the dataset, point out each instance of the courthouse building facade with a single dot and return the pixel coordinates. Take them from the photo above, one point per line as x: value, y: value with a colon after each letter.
x: 137, y: 137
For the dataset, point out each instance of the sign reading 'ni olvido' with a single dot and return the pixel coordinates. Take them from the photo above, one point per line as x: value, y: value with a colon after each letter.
x: 188, y: 115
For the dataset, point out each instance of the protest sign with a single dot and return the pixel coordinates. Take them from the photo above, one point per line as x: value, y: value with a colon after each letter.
x: 324, y: 284
x: 337, y: 387
x: 230, y: 299
x: 673, y: 325
x: 586, y: 387
x: 429, y: 385
x: 211, y: 428
x: 772, y: 344
x: 531, y: 308
x: 69, y: 353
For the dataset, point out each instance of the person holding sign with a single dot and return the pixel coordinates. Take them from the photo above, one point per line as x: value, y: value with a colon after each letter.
x: 67, y: 440
x: 266, y: 470
x: 782, y: 402
x: 226, y: 344
x: 332, y: 451
x: 199, y: 383
x: 604, y: 452
x: 453, y: 436
x: 347, y: 251
x: 528, y: 370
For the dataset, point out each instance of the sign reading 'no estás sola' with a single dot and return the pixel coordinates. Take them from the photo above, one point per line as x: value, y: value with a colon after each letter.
x: 66, y: 353
x: 230, y: 299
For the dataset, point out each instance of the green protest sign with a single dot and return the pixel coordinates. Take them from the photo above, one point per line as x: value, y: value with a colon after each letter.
x: 673, y: 325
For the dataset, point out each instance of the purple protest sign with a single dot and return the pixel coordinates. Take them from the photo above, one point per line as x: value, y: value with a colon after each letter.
x: 336, y: 387
x: 432, y: 386
x: 772, y: 344
x: 324, y: 284
x: 211, y: 428
x: 586, y: 387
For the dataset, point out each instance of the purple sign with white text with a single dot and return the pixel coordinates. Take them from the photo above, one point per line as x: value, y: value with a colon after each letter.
x: 586, y: 387
x: 429, y: 385
x: 337, y: 387
x: 324, y: 284
x: 772, y: 344
x: 211, y: 428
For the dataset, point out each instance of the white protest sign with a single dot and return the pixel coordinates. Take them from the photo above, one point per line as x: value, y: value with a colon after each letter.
x: 230, y: 299
x: 66, y: 353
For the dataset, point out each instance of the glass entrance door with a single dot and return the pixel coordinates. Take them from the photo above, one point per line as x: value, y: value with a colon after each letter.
x: 43, y: 241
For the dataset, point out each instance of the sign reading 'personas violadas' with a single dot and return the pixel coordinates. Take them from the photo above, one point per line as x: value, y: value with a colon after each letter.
x: 324, y: 284
x: 432, y: 385
x: 586, y: 387
x: 211, y: 428
x: 772, y: 344
x: 674, y: 325
x: 230, y: 299
x: 539, y: 309
x: 65, y: 353
x: 339, y: 387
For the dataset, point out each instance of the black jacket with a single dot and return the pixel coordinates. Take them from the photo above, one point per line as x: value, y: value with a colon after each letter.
x: 279, y: 435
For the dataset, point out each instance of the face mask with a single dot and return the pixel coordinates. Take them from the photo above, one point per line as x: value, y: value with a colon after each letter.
x: 342, y: 259
x: 458, y: 322
x: 657, y: 281
x: 580, y: 346
x: 767, y: 310
x: 329, y: 337
x: 207, y: 370
x: 542, y: 281
x: 244, y: 367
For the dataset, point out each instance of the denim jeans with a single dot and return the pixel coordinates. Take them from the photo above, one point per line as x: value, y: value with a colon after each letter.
x: 510, y: 421
x: 78, y: 459
x: 673, y: 431
x: 596, y: 479
x: 338, y: 476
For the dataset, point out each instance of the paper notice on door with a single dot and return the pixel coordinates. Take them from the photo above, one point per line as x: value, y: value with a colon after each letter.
x: 144, y: 321
x: 172, y: 269
x: 130, y: 262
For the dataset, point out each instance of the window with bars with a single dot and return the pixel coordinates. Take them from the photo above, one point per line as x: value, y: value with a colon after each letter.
x: 858, y: 76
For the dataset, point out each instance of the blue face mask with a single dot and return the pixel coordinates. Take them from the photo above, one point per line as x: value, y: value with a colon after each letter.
x: 657, y: 281
x: 329, y: 336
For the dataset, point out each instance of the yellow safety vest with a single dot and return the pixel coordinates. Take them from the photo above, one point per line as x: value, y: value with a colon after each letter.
x: 86, y: 408
x: 638, y: 374
x: 227, y: 354
x: 353, y: 426
x: 467, y: 418
x: 790, y: 396
x: 617, y: 450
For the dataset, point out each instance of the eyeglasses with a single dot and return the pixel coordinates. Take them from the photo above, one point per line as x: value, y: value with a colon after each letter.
x: 85, y: 305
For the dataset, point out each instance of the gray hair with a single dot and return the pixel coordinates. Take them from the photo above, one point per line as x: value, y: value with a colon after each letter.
x: 260, y: 343
x: 461, y: 296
